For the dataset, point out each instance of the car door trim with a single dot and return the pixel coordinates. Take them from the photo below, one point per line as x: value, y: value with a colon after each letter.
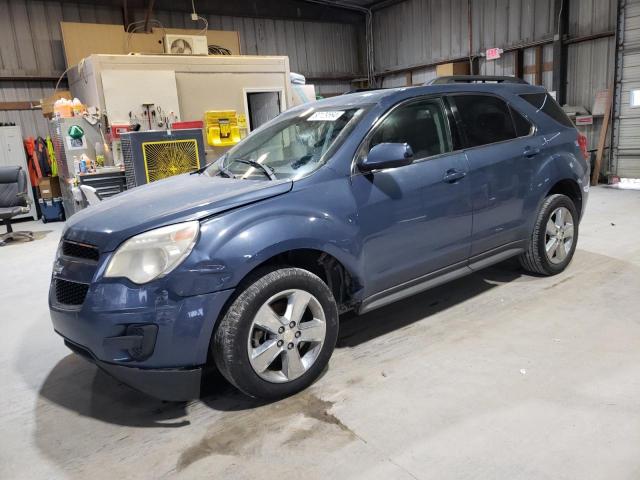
x: 417, y: 285
x: 441, y: 276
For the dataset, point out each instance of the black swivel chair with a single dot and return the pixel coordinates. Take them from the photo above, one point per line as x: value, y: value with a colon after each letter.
x: 14, y: 201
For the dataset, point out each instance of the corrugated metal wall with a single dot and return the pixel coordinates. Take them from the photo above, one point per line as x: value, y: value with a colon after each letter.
x: 406, y: 34
x: 416, y: 32
x: 314, y: 49
x: 31, y: 45
x: 626, y: 158
x: 419, y: 32
x: 590, y: 64
x: 31, y: 121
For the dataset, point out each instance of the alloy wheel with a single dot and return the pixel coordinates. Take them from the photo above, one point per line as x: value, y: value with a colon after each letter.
x: 559, y: 235
x: 286, y: 336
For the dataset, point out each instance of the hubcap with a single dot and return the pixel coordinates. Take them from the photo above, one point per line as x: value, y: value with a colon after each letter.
x: 286, y: 336
x: 559, y: 235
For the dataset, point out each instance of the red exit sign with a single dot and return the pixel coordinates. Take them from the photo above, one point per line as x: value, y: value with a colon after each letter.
x: 493, y: 53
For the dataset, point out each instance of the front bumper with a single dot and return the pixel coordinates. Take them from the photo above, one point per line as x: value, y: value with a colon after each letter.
x: 145, y: 335
x: 171, y: 384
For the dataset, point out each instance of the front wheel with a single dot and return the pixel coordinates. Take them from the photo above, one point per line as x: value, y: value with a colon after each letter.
x: 278, y: 334
x: 554, y: 237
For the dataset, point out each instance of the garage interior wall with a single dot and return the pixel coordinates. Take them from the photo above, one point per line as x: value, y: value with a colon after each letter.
x: 31, y: 51
x: 626, y: 152
x: 412, y: 36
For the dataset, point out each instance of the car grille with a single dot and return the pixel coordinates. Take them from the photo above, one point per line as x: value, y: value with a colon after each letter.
x: 70, y: 293
x: 78, y: 250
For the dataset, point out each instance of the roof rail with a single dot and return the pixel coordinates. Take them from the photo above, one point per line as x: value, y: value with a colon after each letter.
x: 475, y: 79
x: 365, y: 89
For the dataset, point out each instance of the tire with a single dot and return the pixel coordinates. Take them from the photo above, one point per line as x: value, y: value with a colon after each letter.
x: 541, y: 257
x: 240, y: 333
x: 44, y: 219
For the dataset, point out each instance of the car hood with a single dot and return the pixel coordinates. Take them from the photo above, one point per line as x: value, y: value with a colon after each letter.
x: 176, y: 199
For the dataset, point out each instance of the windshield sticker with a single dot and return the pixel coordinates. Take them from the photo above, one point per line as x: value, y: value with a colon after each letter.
x: 325, y: 116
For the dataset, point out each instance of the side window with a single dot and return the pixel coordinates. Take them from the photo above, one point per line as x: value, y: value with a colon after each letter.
x: 523, y: 126
x: 421, y: 124
x: 545, y: 103
x: 485, y: 119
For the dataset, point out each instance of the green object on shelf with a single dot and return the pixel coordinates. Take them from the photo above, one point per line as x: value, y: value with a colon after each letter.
x: 75, y: 131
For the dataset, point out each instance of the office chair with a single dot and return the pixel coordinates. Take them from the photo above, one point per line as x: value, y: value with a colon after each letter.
x: 14, y: 201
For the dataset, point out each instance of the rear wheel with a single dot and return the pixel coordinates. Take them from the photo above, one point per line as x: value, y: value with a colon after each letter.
x: 278, y: 334
x: 554, y: 237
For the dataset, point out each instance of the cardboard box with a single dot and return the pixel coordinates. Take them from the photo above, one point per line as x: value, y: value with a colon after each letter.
x: 448, y: 69
x: 83, y: 39
x: 49, y: 188
x: 47, y: 103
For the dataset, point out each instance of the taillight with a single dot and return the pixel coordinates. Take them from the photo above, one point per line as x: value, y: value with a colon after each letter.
x: 582, y: 143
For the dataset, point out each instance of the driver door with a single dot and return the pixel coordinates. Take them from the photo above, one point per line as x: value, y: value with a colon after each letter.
x: 415, y: 219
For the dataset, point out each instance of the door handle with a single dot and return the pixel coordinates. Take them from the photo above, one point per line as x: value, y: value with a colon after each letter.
x: 531, y: 152
x: 453, y: 175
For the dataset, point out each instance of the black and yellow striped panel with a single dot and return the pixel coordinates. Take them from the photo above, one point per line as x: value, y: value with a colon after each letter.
x: 167, y: 158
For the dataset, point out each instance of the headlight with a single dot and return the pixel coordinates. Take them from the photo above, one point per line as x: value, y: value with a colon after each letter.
x: 153, y: 254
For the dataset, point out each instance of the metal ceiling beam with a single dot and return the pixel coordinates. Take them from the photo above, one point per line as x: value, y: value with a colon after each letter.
x: 267, y: 9
x: 383, y: 4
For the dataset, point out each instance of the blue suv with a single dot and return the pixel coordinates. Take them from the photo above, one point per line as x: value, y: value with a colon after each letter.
x: 348, y: 203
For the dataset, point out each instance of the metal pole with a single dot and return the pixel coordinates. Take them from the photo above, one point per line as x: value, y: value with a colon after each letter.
x: 561, y: 10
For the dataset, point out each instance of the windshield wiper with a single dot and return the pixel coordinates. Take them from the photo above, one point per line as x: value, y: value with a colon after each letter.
x: 225, y: 172
x: 263, y: 168
x: 202, y: 169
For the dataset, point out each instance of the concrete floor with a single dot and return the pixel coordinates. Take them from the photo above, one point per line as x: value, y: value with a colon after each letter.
x: 497, y: 375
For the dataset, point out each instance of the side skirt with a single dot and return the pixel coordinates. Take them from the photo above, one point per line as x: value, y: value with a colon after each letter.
x: 441, y: 276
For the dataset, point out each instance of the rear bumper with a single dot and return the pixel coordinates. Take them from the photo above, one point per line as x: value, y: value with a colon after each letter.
x: 171, y: 384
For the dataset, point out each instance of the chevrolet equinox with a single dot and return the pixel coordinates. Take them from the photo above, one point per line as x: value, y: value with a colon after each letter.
x: 348, y: 203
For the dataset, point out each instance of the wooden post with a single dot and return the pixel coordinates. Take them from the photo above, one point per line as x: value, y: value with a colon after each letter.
x: 519, y: 63
x: 595, y: 174
x: 538, y: 65
x: 28, y: 105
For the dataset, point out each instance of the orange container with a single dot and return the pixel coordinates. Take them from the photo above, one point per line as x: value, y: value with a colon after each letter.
x: 63, y: 111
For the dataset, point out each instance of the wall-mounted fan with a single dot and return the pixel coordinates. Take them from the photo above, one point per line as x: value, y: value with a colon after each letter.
x: 186, y: 44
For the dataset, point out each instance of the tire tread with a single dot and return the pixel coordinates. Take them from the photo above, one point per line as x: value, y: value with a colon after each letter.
x: 224, y: 345
x: 531, y: 260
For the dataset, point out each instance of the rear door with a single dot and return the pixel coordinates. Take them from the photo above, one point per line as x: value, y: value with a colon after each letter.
x: 414, y: 219
x: 501, y: 147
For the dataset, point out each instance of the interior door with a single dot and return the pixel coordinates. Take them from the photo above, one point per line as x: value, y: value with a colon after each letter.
x: 501, y: 152
x: 414, y: 219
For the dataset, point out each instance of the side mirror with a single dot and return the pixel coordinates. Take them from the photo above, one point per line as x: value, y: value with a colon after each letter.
x: 386, y: 155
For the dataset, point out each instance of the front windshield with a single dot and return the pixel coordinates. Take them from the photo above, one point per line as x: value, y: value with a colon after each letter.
x: 288, y: 148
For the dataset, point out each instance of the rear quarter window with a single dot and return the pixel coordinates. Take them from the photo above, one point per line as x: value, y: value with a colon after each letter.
x: 543, y: 102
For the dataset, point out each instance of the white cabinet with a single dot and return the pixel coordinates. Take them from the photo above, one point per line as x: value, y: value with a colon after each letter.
x: 12, y: 153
